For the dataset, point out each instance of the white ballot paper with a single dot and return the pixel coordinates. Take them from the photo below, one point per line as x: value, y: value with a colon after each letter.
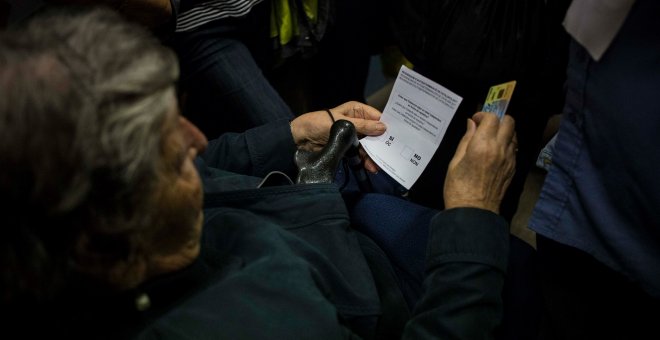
x: 417, y: 115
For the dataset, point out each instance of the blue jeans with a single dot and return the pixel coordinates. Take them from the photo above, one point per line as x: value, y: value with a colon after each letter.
x: 401, y: 229
x: 224, y: 87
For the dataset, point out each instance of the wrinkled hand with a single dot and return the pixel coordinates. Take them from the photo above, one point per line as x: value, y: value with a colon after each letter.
x: 483, y: 165
x: 311, y: 130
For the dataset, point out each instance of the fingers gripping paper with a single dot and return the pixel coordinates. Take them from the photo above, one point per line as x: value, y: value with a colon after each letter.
x: 417, y: 115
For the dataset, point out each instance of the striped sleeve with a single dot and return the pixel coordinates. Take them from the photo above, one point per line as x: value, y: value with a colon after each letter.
x: 212, y: 10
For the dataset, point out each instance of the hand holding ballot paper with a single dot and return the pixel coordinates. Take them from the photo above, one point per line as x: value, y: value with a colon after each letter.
x: 417, y: 115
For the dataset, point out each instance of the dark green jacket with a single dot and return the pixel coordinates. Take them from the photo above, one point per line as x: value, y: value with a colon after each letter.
x: 282, y: 262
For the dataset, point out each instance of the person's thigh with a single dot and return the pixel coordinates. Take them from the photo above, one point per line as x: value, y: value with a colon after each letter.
x: 584, y: 299
x: 225, y: 89
x: 401, y: 229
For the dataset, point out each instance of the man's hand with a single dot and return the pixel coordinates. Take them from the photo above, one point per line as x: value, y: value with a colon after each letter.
x: 483, y: 165
x: 311, y: 130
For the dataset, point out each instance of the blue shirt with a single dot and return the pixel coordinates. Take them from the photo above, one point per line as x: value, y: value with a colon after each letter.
x: 602, y: 193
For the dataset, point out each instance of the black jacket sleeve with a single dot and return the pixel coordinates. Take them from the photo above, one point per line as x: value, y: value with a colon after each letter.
x: 256, y: 152
x: 466, y: 262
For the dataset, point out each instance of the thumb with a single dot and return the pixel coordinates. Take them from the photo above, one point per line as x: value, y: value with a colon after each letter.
x: 367, y: 127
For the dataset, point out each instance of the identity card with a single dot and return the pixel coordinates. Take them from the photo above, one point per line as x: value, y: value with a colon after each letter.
x: 498, y: 98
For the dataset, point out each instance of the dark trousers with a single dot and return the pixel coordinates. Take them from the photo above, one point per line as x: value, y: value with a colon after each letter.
x: 401, y: 230
x: 233, y: 79
x: 221, y: 74
x: 584, y: 299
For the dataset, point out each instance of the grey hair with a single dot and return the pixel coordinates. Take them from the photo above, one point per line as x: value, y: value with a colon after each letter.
x: 85, y: 98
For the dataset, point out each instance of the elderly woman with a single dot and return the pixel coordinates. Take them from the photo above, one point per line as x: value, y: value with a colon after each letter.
x: 116, y: 225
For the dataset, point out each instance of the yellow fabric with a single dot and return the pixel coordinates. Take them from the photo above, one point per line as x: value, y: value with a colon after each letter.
x: 311, y: 8
x: 284, y: 24
x: 281, y: 21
